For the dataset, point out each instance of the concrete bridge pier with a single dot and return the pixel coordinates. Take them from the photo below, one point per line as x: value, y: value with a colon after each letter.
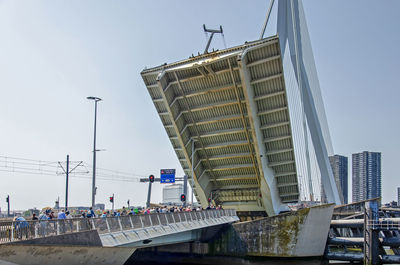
x: 294, y: 236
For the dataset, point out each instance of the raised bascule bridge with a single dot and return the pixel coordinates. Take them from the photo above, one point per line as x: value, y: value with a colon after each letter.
x: 248, y: 128
x: 226, y: 114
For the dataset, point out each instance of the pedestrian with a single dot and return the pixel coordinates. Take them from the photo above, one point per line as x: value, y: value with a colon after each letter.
x: 43, y: 222
x: 61, y: 221
x: 51, y: 215
x: 34, y: 225
x: 69, y: 221
x: 21, y: 227
x: 61, y: 215
x: 90, y: 213
x: 68, y: 215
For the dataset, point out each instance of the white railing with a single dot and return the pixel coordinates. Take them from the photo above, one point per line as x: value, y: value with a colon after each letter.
x: 24, y: 230
x: 383, y: 225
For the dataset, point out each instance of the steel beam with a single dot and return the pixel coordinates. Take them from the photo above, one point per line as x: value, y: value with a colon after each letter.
x: 218, y: 119
x: 269, y: 95
x: 281, y: 163
x: 219, y: 104
x: 229, y: 156
x: 193, y: 121
x: 225, y: 144
x: 265, y: 60
x: 277, y: 175
x: 270, y: 111
x: 229, y: 167
x: 221, y: 132
x: 279, y: 151
x: 277, y: 138
x: 202, y: 196
x: 274, y: 125
x: 266, y: 79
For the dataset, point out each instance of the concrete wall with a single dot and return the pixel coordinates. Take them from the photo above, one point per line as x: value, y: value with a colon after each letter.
x: 65, y: 255
x: 86, y: 238
x: 297, y: 234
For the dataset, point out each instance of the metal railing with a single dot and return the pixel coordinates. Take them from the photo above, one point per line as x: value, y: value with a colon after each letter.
x: 383, y: 225
x: 24, y: 230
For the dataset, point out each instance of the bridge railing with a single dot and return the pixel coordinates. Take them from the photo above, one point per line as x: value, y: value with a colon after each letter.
x: 113, y: 224
x: 24, y: 230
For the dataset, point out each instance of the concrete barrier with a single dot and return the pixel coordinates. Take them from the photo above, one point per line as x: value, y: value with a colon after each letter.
x: 65, y: 255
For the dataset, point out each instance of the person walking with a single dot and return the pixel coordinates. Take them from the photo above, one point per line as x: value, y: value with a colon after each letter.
x: 43, y: 222
x: 90, y: 213
x: 61, y: 221
x: 34, y: 225
x: 34, y: 217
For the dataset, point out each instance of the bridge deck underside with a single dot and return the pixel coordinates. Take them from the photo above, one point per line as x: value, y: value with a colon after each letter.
x: 205, y: 99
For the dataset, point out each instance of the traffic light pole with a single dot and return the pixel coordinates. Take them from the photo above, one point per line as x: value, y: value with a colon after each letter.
x: 148, y: 195
x: 8, y: 205
x: 152, y: 179
x: 185, y: 189
x: 113, y: 203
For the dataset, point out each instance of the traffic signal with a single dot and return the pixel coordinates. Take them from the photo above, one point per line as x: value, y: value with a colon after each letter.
x: 112, y: 199
x: 8, y: 199
x: 151, y: 178
x: 183, y: 197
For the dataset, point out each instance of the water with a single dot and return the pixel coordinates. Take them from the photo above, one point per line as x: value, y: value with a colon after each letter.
x: 244, y: 262
x: 186, y: 260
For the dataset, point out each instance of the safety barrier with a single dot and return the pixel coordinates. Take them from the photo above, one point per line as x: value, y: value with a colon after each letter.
x: 24, y: 230
x: 384, y: 224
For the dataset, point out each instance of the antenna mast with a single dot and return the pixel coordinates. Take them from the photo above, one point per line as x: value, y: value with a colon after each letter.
x: 212, y: 31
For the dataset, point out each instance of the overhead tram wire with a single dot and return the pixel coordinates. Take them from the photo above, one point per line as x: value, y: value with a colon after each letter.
x: 50, y: 168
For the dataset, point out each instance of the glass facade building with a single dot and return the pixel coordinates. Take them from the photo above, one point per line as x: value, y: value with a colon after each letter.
x: 367, y: 178
x: 340, y: 172
x: 398, y: 196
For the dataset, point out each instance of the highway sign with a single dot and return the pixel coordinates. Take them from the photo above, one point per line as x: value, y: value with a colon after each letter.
x: 167, y: 176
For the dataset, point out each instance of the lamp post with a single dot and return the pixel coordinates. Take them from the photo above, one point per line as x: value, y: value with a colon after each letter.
x: 95, y: 99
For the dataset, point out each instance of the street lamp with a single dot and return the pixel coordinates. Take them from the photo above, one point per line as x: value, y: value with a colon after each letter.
x: 96, y: 99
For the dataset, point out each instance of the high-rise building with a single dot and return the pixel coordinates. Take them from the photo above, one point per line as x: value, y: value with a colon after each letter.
x: 398, y: 196
x: 340, y: 172
x: 366, y: 176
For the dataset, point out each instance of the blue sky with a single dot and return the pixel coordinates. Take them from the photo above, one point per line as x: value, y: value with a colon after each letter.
x: 53, y: 54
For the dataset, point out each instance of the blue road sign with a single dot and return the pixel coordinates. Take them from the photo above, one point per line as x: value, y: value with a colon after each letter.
x: 167, y: 176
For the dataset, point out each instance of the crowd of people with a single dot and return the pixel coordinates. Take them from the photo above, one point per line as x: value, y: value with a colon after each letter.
x: 27, y: 229
x: 49, y: 214
x: 138, y: 210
